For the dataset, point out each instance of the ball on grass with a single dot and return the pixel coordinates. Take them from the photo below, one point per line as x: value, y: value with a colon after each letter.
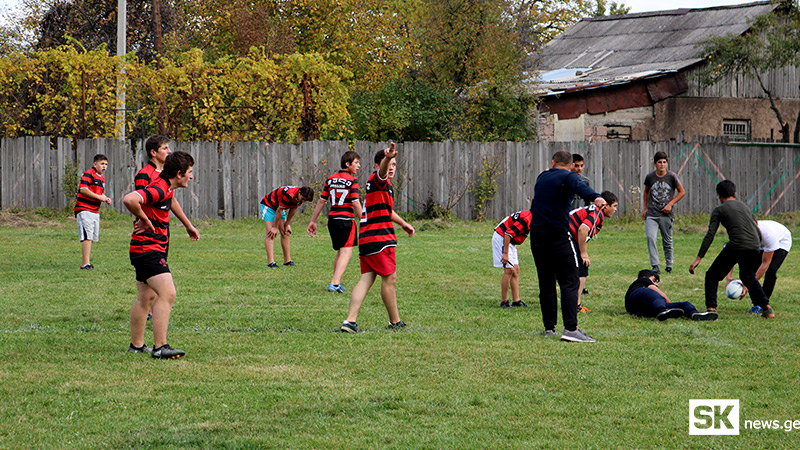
x: 734, y: 289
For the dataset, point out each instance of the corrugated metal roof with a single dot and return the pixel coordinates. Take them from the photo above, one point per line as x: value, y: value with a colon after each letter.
x: 627, y: 47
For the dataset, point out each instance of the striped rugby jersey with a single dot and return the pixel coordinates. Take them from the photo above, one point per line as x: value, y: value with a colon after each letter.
x: 284, y: 197
x: 157, y: 202
x: 147, y: 175
x: 376, y: 231
x: 589, y: 215
x: 96, y: 183
x: 516, y: 225
x: 342, y: 189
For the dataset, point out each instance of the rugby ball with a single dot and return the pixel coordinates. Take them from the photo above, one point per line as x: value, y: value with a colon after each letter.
x: 734, y: 289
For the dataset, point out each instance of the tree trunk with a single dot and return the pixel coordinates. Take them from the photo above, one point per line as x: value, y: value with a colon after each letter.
x: 158, y: 43
x: 774, y: 107
x: 309, y: 122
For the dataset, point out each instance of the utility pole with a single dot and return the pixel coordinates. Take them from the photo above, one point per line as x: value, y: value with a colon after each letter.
x: 122, y: 25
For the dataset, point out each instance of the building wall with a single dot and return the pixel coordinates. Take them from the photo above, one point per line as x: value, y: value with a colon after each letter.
x: 704, y: 117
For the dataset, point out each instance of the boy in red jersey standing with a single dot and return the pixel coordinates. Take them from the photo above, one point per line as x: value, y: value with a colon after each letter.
x: 342, y: 190
x: 377, y: 242
x: 87, y: 207
x: 281, y: 200
x: 512, y: 231
x: 148, y: 253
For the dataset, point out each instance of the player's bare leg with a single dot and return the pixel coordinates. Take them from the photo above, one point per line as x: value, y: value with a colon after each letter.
x: 269, y: 243
x: 514, y: 284
x: 340, y: 264
x: 389, y: 296
x: 86, y: 251
x: 359, y: 294
x: 141, y: 306
x: 164, y: 287
x: 505, y: 282
x: 285, y: 241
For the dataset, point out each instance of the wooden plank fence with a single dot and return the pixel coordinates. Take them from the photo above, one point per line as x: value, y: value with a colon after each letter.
x: 230, y: 179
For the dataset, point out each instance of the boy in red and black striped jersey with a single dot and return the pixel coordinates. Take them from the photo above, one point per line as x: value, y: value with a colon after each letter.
x: 342, y: 190
x: 90, y: 196
x: 377, y: 242
x: 584, y: 224
x: 157, y: 148
x: 281, y: 200
x: 512, y: 231
x: 155, y: 288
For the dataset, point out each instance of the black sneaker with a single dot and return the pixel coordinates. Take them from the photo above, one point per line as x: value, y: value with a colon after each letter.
x: 397, y: 325
x: 656, y: 270
x: 708, y: 315
x: 585, y: 292
x: 167, y: 352
x: 671, y: 313
x: 519, y: 304
x: 349, y: 327
x: 505, y: 304
x: 87, y: 267
x: 272, y: 265
x: 669, y: 269
x: 290, y: 263
x: 142, y: 349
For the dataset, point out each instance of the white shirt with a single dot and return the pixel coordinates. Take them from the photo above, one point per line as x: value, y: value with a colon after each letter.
x: 774, y: 236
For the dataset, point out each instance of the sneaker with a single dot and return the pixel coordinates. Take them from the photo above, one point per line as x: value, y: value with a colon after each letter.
x: 585, y: 292
x: 669, y: 269
x: 142, y: 349
x: 349, y: 327
x: 272, y: 265
x: 656, y: 269
x: 768, y: 312
x: 548, y: 333
x: 167, y: 352
x: 332, y: 287
x: 576, y: 336
x: 505, y: 304
x: 290, y: 263
x: 670, y: 313
x: 583, y: 309
x: 149, y: 316
x: 519, y: 304
x: 87, y: 267
x: 340, y: 288
x: 399, y: 325
x: 708, y: 315
x: 755, y: 310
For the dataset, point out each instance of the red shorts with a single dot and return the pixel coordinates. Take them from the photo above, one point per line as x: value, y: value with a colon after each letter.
x: 382, y: 263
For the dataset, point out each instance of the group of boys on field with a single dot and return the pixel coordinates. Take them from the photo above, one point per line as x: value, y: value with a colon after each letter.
x: 559, y: 236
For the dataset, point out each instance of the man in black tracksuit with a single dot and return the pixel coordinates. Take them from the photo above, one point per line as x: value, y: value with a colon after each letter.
x: 555, y: 257
x: 743, y: 249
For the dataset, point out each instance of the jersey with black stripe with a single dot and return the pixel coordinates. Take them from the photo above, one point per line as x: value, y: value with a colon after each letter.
x: 341, y: 189
x: 147, y: 175
x: 376, y: 231
x: 516, y: 225
x: 156, y: 205
x: 284, y: 197
x: 96, y: 183
x: 589, y: 215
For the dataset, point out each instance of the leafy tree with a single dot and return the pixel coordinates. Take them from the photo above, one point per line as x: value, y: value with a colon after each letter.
x: 612, y: 9
x: 16, y: 94
x: 404, y: 110
x: 498, y: 112
x: 772, y: 42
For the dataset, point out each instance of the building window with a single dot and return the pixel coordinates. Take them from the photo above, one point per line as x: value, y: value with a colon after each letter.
x: 618, y: 132
x: 736, y: 130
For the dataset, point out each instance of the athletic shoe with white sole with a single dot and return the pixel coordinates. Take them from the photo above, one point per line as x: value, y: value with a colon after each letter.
x: 399, y: 325
x: 670, y: 313
x: 519, y: 304
x: 167, y: 352
x: 708, y: 315
x: 576, y: 336
x: 349, y: 327
x: 767, y: 312
x: 142, y: 349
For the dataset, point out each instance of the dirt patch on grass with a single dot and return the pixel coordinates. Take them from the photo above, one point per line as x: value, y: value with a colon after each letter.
x: 26, y: 219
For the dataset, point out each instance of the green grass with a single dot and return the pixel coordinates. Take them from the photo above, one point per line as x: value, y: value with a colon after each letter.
x: 265, y: 367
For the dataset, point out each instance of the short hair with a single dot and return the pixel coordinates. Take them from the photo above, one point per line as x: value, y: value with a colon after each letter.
x: 379, y: 156
x: 726, y: 188
x: 99, y: 157
x: 348, y: 157
x: 307, y: 192
x: 647, y: 273
x: 563, y: 158
x: 154, y: 143
x: 576, y: 157
x: 609, y: 197
x: 176, y: 162
x: 660, y: 155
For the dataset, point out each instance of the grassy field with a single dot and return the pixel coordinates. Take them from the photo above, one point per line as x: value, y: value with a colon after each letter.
x: 266, y: 367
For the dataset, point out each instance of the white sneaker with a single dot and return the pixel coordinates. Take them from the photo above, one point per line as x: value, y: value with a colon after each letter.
x: 576, y: 336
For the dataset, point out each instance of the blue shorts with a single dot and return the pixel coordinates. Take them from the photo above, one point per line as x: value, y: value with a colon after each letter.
x: 268, y: 214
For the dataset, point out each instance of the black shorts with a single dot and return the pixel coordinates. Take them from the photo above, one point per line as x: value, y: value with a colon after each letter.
x: 149, y: 265
x: 343, y: 233
x: 583, y: 271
